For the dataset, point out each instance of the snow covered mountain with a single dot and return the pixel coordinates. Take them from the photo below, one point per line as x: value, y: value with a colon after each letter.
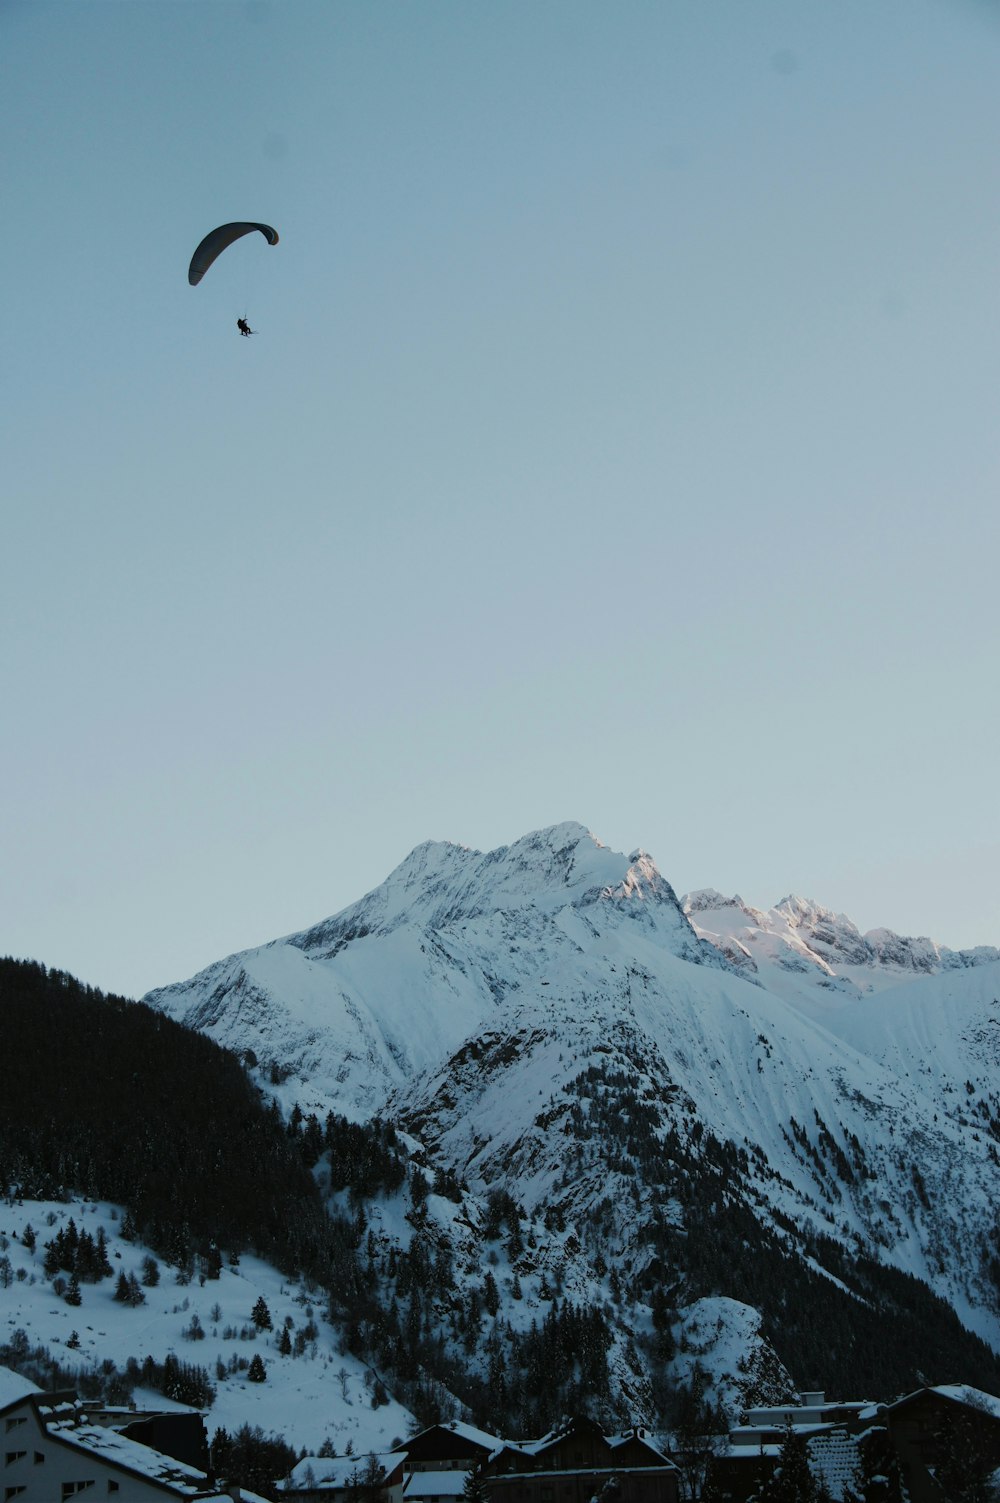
x: 801, y: 950
x: 358, y: 1005
x: 689, y: 1103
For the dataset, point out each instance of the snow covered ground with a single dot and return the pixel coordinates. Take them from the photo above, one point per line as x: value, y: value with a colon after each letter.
x: 322, y: 1394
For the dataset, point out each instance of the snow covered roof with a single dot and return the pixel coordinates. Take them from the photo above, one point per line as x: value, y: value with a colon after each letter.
x: 481, y: 1439
x: 962, y: 1393
x: 434, y: 1484
x: 959, y: 1393
x: 117, y: 1450
x: 642, y: 1436
x: 338, y: 1471
x: 478, y: 1437
x: 13, y: 1387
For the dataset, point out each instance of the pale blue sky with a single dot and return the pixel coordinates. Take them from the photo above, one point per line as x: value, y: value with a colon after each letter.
x: 621, y: 443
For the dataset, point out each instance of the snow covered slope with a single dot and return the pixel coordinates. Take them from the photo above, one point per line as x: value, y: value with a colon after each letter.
x: 813, y: 956
x: 548, y: 1018
x: 361, y: 1003
x: 314, y: 1392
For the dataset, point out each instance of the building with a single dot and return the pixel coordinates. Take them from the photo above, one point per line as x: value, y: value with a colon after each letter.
x: 572, y: 1464
x: 54, y: 1448
x: 926, y: 1425
x: 454, y: 1446
x: 426, y: 1486
x: 346, y: 1479
x: 833, y: 1431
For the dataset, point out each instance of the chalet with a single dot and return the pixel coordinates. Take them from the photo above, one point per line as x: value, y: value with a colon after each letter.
x: 376, y: 1478
x: 832, y: 1431
x: 56, y: 1448
x: 924, y: 1425
x: 449, y: 1447
x: 570, y: 1465
x: 437, y: 1461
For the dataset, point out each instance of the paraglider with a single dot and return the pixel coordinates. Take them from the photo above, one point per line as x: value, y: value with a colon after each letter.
x: 219, y: 240
x: 244, y: 327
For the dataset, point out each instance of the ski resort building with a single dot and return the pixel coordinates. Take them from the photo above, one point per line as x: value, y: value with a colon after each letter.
x: 913, y: 1439
x: 54, y: 1447
x: 833, y: 1433
x: 454, y: 1446
x: 933, y: 1426
x: 347, y: 1479
x: 577, y: 1462
x: 571, y: 1465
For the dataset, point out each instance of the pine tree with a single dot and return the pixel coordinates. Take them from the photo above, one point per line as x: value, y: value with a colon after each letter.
x: 371, y: 1486
x: 419, y: 1188
x: 257, y: 1372
x: 128, y: 1291
x: 474, y: 1489
x: 261, y: 1315
x: 103, y: 1263
x: 791, y: 1481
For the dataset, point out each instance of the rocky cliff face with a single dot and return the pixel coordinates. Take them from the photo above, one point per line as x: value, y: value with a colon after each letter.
x: 801, y: 936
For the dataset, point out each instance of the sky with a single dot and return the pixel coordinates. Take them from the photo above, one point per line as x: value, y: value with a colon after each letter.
x: 620, y: 442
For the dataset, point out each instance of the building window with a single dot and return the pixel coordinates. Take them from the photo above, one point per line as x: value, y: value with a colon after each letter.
x: 113, y: 1486
x: 18, y: 1419
x: 13, y: 1456
x: 12, y: 1492
x: 70, y: 1489
x: 39, y: 1457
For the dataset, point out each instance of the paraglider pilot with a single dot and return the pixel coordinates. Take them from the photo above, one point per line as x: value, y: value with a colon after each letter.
x: 243, y: 326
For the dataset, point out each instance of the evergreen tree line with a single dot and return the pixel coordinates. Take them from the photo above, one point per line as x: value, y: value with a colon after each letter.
x: 77, y: 1252
x: 108, y: 1098
x: 439, y: 1346
x: 364, y: 1158
x: 830, y: 1337
x: 531, y: 1379
x: 252, y: 1458
x: 185, y: 1382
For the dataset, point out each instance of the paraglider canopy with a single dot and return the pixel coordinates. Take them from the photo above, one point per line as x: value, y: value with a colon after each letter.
x: 216, y: 242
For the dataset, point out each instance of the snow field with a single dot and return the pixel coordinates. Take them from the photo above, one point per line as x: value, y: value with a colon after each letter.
x: 322, y: 1394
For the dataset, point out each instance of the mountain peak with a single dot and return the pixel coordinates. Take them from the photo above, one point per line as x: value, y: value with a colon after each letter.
x: 365, y: 999
x: 710, y: 900
x: 559, y: 865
